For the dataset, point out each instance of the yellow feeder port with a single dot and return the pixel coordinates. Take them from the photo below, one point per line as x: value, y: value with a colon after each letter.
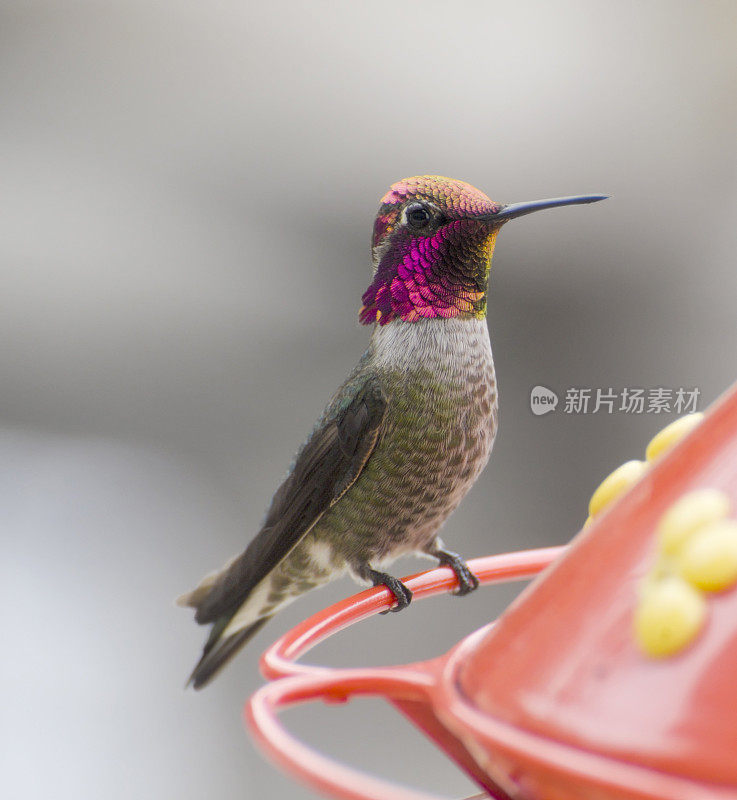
x: 672, y: 434
x: 669, y: 616
x: 691, y: 512
x: 616, y: 484
x: 709, y: 558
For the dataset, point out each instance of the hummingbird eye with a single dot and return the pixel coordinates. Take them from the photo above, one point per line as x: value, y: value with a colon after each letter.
x: 417, y: 216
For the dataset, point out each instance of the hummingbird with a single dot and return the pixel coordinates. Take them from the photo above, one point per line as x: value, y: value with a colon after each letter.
x: 403, y: 439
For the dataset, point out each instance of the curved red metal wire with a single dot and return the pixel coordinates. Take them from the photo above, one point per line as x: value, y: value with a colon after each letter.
x: 278, y: 661
x: 300, y: 682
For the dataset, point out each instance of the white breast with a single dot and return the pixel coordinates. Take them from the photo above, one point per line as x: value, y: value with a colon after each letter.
x: 445, y: 345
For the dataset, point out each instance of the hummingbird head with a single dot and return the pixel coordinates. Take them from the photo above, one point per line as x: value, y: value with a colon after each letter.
x: 432, y: 245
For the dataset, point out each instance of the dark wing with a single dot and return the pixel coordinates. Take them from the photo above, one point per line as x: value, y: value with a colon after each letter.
x: 327, y: 465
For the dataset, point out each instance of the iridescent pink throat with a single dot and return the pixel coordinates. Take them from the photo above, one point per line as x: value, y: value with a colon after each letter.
x: 439, y: 276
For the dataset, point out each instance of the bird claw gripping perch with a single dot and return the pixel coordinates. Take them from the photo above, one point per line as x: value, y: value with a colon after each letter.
x: 467, y: 581
x: 401, y: 593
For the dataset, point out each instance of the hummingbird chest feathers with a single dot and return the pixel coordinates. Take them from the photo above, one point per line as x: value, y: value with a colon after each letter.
x: 438, y: 376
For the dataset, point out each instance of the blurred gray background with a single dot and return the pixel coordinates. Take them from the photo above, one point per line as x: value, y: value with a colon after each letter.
x: 187, y: 194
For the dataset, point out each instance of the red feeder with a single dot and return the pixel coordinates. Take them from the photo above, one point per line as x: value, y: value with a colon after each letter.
x: 556, y: 701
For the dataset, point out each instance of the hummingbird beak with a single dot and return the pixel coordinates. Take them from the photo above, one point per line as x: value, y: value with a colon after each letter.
x: 512, y: 210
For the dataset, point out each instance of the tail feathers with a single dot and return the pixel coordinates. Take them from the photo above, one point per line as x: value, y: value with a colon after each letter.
x: 220, y: 649
x: 200, y: 593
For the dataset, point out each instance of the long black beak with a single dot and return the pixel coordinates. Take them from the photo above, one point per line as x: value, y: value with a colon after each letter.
x: 513, y: 210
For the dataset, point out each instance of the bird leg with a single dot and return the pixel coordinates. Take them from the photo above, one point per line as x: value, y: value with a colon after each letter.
x: 467, y: 581
x: 401, y: 593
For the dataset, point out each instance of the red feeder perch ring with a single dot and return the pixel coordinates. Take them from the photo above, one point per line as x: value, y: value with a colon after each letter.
x: 405, y: 686
x: 279, y: 660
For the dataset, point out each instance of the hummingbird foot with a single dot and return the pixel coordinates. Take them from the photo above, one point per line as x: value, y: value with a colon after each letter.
x: 401, y: 593
x: 467, y: 581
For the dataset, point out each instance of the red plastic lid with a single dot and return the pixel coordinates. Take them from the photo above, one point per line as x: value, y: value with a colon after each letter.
x: 562, y: 662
